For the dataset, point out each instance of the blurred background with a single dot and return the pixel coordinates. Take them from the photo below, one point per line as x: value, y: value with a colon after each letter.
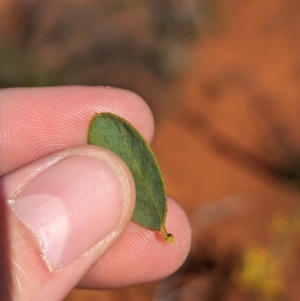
x: 222, y: 78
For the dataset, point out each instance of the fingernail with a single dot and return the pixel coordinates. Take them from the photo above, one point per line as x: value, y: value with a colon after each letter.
x: 70, y: 206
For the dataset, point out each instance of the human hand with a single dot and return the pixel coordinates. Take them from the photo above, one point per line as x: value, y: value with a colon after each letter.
x: 67, y: 221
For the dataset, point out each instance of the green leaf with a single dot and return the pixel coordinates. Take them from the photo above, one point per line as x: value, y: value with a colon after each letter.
x: 116, y: 134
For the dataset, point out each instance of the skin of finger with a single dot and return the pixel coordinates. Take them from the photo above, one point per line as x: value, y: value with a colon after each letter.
x: 35, y: 122
x: 141, y: 255
x: 32, y: 280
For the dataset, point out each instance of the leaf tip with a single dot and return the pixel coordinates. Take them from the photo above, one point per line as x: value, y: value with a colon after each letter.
x: 168, y: 237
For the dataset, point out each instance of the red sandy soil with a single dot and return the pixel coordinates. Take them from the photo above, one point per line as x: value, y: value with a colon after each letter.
x: 250, y: 57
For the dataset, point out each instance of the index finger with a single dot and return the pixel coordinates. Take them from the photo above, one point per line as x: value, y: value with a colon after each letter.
x: 37, y: 121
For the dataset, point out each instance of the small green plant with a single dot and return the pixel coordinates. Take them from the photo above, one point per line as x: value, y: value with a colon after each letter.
x: 18, y: 70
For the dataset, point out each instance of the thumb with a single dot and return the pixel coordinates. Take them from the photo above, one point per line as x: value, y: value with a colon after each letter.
x: 64, y: 212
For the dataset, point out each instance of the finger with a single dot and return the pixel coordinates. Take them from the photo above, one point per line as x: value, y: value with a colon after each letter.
x: 38, y: 121
x: 141, y: 255
x: 63, y: 215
